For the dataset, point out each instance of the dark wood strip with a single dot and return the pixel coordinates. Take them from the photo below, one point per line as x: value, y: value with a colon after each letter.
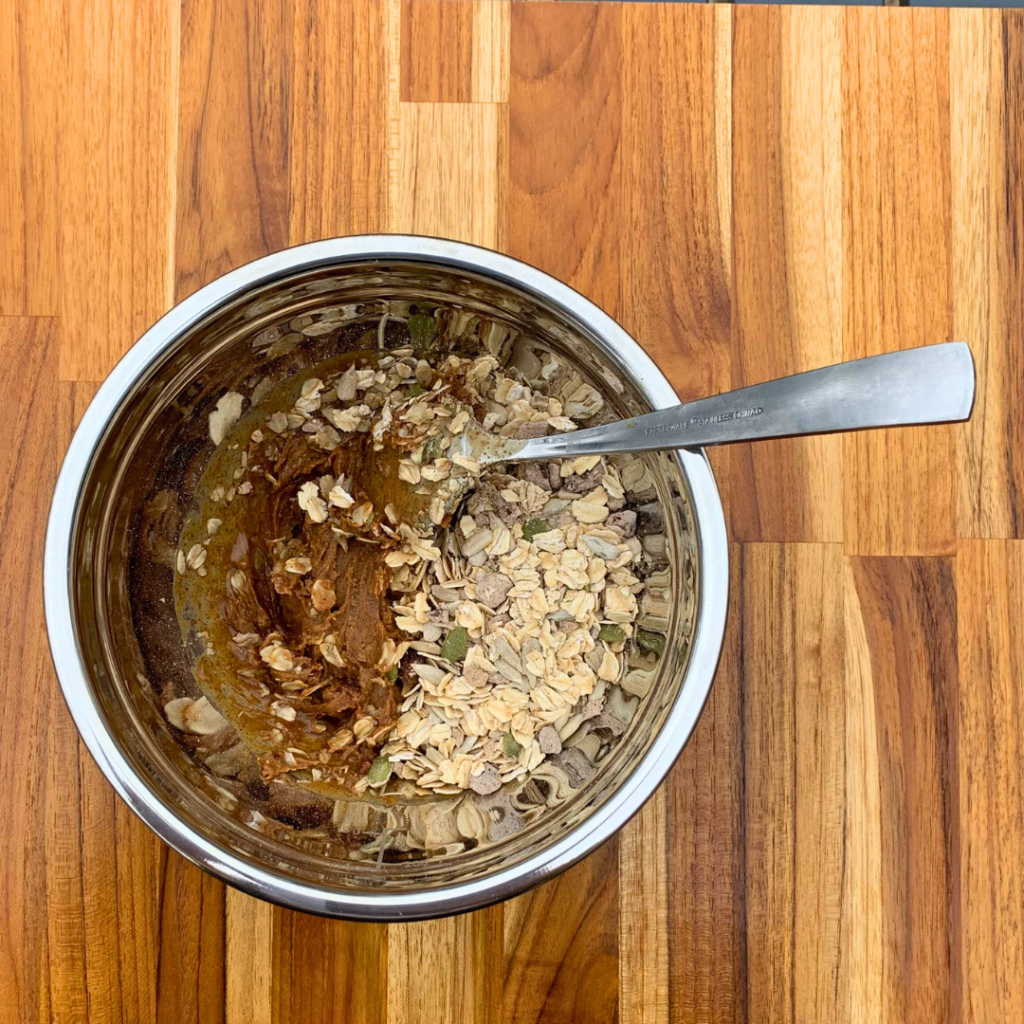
x: 564, y: 138
x: 561, y: 947
x: 329, y: 971
x: 908, y: 608
x: 706, y: 851
x: 190, y: 972
x: 437, y: 51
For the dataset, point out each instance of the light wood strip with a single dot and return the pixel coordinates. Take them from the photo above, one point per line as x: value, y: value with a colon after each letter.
x: 446, y: 970
x: 338, y: 163
x: 490, y: 65
x: 30, y: 37
x: 987, y: 147
x: 233, y: 157
x: 643, y: 916
x: 249, y: 959
x: 990, y: 605
x: 793, y: 730
x: 448, y: 171
x: 787, y: 284
x: 899, y: 485
x: 116, y: 164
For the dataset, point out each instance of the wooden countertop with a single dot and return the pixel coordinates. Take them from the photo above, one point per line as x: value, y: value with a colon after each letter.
x: 751, y: 191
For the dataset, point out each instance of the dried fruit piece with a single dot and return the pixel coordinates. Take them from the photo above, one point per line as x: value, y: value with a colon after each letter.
x: 611, y: 634
x: 509, y: 746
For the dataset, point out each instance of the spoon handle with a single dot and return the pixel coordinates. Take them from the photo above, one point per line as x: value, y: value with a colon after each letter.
x: 933, y: 384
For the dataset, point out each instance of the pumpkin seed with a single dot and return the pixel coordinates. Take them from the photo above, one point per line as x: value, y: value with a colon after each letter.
x: 650, y: 641
x: 532, y: 527
x: 422, y: 329
x: 434, y: 448
x: 380, y: 771
x: 510, y: 747
x: 455, y: 645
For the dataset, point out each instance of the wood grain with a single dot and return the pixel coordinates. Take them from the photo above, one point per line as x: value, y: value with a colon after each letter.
x: 564, y: 136
x: 990, y: 811
x: 793, y: 760
x: 490, y: 64
x: 445, y: 970
x: 751, y: 191
x: 986, y: 89
x: 248, y: 959
x: 116, y: 163
x: 896, y: 266
x: 706, y: 853
x: 29, y: 274
x: 190, y: 975
x: 787, y: 260
x: 448, y: 171
x: 232, y: 195
x: 27, y: 467
x: 437, y: 51
x: 338, y: 159
x: 330, y: 971
x: 676, y: 213
x: 561, y: 946
x: 904, y: 614
x: 643, y: 916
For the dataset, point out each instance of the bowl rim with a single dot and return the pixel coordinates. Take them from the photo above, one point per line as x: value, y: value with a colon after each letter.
x: 582, y: 839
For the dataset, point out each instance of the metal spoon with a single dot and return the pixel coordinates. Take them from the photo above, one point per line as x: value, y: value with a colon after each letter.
x: 933, y: 384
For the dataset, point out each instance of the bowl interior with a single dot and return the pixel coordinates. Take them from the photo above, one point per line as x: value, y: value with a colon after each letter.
x: 139, y: 484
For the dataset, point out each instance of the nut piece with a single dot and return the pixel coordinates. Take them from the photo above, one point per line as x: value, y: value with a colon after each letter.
x: 198, y: 717
x: 548, y: 740
x: 323, y: 595
x: 311, y: 503
x: 486, y: 782
x: 492, y: 588
x: 225, y: 415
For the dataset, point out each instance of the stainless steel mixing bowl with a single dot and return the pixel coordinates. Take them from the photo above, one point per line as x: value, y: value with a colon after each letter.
x: 149, y: 419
